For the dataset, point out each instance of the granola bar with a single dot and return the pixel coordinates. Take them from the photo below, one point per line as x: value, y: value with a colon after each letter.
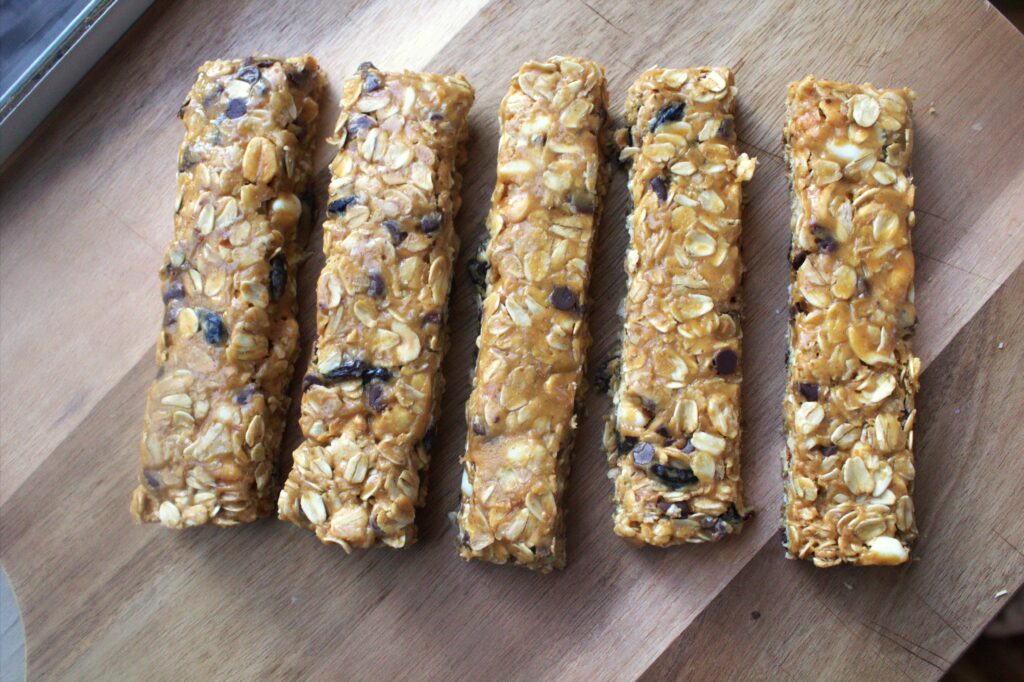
x: 533, y: 336
x: 215, y: 413
x: 673, y: 436
x: 373, y: 390
x: 849, y: 407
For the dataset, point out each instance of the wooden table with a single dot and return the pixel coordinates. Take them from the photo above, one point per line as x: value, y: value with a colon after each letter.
x: 86, y: 207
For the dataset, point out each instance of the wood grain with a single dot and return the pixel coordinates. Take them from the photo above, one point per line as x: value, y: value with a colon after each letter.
x: 85, y: 210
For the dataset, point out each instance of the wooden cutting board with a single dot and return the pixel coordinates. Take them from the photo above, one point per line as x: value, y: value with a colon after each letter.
x: 86, y: 209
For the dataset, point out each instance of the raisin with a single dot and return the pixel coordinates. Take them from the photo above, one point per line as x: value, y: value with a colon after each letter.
x: 376, y: 374
x: 430, y: 223
x: 236, y: 108
x: 563, y: 298
x: 624, y: 444
x: 396, y: 234
x: 173, y: 291
x: 338, y: 206
x: 376, y: 288
x: 824, y: 239
x: 213, y: 327
x: 669, y: 112
x: 358, y: 123
x: 350, y: 369
x: 278, y: 276
x: 674, y: 477
x: 798, y: 259
x: 375, y: 397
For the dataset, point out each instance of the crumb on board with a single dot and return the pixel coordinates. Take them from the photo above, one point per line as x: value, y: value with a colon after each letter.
x: 1001, y: 593
x: 931, y: 109
x: 1000, y: 345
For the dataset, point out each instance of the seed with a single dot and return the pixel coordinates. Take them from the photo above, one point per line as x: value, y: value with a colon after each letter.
x: 643, y: 454
x: 430, y: 223
x: 213, y: 327
x: 659, y: 188
x: 236, y: 108
x: 563, y: 298
x: 338, y: 206
x: 808, y: 391
x: 725, y: 361
x: 674, y: 477
x: 669, y: 112
x: 278, y: 276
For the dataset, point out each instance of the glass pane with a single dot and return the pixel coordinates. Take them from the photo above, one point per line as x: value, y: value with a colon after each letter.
x: 27, y: 29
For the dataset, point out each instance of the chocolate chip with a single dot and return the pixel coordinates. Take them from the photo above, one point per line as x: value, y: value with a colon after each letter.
x: 365, y: 66
x: 688, y: 448
x: 725, y: 129
x: 311, y: 380
x: 732, y: 516
x: 674, y: 477
x: 338, y: 206
x: 430, y: 223
x: 643, y: 454
x: 213, y: 327
x: 249, y: 74
x: 376, y: 288
x: 171, y: 314
x: 603, y: 376
x: 376, y: 374
x: 563, y: 298
x: 662, y: 431
x: 359, y: 122
x: 829, y: 450
x: 436, y: 116
x: 479, y: 427
x: 278, y: 276
x: 659, y: 188
x: 433, y: 317
x: 799, y: 257
x: 375, y: 397
x: 397, y: 236
x: 582, y: 201
x: 808, y: 391
x: 173, y: 291
x: 236, y: 108
x: 350, y: 369
x: 650, y: 407
x: 725, y: 361
x: 824, y: 239
x: 242, y: 397
x: 624, y: 444
x: 153, y: 479
x: 669, y: 112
